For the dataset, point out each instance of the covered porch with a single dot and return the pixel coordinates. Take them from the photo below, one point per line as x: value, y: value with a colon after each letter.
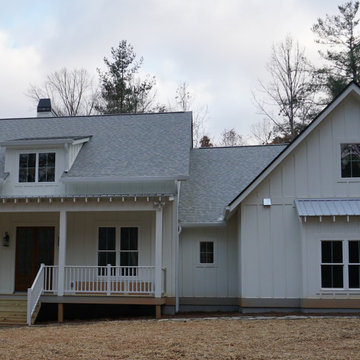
x: 84, y: 264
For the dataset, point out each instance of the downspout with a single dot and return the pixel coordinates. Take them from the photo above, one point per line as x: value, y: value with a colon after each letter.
x: 177, y: 304
x: 67, y: 160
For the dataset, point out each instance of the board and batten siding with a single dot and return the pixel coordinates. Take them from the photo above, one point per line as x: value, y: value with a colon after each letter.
x: 314, y: 232
x: 216, y: 280
x: 272, y: 264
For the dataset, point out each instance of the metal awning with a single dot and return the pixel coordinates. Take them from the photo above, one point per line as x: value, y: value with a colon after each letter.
x: 328, y: 207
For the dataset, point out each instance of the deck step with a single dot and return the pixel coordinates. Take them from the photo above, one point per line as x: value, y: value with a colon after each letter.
x: 13, y: 312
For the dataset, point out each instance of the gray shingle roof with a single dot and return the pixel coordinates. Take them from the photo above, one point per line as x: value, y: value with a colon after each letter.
x: 144, y: 145
x: 217, y: 176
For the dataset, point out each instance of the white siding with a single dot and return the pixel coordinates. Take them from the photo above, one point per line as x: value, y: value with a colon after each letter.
x: 314, y: 232
x: 12, y: 186
x: 271, y: 261
x: 201, y: 280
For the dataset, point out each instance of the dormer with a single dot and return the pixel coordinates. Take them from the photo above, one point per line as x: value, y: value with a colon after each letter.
x: 34, y: 166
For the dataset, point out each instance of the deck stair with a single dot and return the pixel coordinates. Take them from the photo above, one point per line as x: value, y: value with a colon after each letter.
x: 13, y: 312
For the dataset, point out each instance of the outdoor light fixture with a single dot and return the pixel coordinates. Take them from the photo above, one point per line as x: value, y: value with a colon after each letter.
x: 6, y: 239
x: 267, y: 202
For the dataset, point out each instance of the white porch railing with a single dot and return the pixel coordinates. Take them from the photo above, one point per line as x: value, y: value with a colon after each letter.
x: 110, y: 280
x: 34, y: 293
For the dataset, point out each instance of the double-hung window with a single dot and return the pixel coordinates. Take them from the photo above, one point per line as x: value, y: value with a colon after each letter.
x: 340, y: 264
x: 37, y: 167
x: 118, y: 247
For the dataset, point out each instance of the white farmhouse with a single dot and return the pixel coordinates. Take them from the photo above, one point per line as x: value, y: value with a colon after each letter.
x: 120, y: 209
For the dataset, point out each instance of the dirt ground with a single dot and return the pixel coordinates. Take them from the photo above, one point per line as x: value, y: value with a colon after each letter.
x: 334, y: 338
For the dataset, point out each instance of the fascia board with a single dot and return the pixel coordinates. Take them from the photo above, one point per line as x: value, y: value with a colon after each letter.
x: 109, y: 179
x: 353, y: 88
x: 203, y: 224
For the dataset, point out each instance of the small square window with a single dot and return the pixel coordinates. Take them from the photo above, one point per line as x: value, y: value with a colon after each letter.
x: 206, y: 252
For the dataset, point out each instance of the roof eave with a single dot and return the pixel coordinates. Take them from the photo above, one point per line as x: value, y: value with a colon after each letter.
x: 116, y: 179
x: 352, y: 88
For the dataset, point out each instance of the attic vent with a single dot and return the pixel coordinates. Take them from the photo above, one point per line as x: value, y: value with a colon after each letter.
x: 44, y: 108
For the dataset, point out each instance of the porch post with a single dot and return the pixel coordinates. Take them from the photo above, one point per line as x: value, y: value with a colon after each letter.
x: 62, y: 252
x: 158, y: 250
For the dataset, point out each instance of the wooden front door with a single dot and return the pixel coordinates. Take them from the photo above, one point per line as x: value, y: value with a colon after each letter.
x: 34, y: 246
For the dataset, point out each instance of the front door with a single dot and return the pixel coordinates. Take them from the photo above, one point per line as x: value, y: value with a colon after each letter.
x: 34, y: 246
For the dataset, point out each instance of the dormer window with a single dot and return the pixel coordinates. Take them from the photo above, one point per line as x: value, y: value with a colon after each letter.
x: 350, y: 160
x: 27, y: 167
x: 46, y: 172
x: 35, y: 167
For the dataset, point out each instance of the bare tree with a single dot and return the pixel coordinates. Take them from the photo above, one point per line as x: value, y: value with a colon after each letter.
x: 72, y: 92
x: 231, y: 138
x: 288, y: 97
x: 262, y: 131
x: 185, y: 101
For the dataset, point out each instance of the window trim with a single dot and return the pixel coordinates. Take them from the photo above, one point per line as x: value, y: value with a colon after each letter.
x: 118, y: 245
x: 345, y: 263
x: 347, y: 143
x: 337, y: 155
x: 37, y: 154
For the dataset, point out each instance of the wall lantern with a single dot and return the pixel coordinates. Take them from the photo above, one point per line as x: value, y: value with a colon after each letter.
x: 267, y: 202
x: 6, y: 239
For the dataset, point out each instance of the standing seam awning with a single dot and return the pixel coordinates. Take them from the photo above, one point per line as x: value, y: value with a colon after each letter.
x: 328, y: 207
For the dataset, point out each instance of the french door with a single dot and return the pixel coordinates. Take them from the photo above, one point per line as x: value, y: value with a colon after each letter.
x: 34, y: 246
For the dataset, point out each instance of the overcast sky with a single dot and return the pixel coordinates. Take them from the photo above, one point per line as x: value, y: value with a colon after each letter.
x: 219, y: 47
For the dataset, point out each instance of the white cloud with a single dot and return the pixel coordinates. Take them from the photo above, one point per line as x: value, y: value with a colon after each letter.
x: 18, y: 67
x: 219, y: 47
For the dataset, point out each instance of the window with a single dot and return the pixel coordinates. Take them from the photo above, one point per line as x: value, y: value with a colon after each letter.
x: 331, y: 264
x: 121, y: 252
x: 37, y: 167
x: 206, y: 252
x: 340, y: 264
x: 27, y: 165
x: 107, y: 250
x: 46, y: 167
x: 350, y: 160
x: 129, y: 249
x: 354, y: 264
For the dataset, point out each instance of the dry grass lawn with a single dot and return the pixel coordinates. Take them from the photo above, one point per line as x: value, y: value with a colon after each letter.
x: 335, y: 338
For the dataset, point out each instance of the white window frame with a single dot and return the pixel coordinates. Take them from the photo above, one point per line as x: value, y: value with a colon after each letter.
x: 345, y: 264
x: 337, y: 155
x: 37, y: 153
x: 200, y: 264
x: 117, y: 245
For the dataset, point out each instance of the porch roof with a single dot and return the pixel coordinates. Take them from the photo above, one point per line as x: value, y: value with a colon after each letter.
x: 110, y: 197
x: 328, y: 207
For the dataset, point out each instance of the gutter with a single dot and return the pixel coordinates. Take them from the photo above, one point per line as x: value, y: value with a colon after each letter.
x: 107, y: 179
x: 204, y: 224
